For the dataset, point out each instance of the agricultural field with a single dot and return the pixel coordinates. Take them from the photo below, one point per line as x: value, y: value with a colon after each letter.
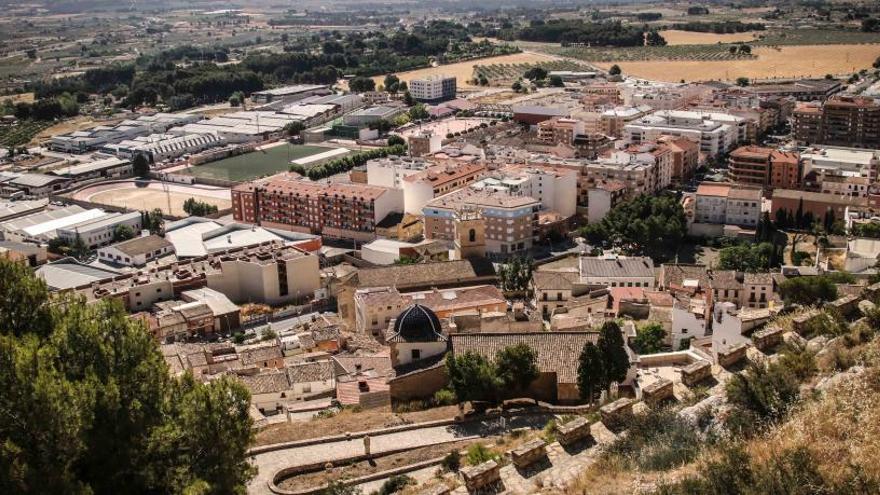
x: 675, y: 37
x: 464, y: 71
x: 260, y: 163
x: 816, y: 37
x: 22, y: 132
x: 639, y: 53
x: 766, y: 63
x: 504, y: 74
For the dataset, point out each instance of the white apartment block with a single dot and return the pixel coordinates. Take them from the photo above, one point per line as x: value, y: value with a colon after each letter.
x: 832, y: 161
x: 714, y: 132
x: 721, y: 204
x: 555, y: 188
x: 433, y: 88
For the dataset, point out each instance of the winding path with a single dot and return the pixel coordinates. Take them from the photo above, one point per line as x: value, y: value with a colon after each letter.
x: 268, y: 463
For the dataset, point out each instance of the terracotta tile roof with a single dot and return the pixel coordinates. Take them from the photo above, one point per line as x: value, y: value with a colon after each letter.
x: 759, y: 278
x: 348, y: 363
x: 726, y: 279
x: 712, y: 189
x: 674, y: 275
x: 266, y: 383
x: 661, y: 299
x: 558, y: 352
x: 310, y: 372
x: 547, y: 280
x: 620, y: 267
x: 425, y: 274
x: 255, y: 355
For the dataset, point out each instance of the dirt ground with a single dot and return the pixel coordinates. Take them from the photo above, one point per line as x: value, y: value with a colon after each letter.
x: 346, y: 420
x: 787, y: 61
x: 676, y: 37
x: 64, y: 127
x: 19, y: 98
x: 463, y: 71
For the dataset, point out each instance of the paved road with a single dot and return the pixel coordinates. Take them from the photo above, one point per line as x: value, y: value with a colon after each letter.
x: 271, y: 462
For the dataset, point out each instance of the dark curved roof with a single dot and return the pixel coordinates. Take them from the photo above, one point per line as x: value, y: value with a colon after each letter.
x: 416, y: 323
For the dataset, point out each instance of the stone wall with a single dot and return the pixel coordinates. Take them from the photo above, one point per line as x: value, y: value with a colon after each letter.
x: 419, y: 384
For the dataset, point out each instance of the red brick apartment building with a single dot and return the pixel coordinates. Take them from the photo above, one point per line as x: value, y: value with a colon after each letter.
x: 291, y: 202
x: 760, y: 166
x: 841, y: 121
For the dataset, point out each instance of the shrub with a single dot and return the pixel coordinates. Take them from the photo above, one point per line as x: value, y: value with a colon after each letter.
x: 479, y: 453
x: 395, y: 484
x: 549, y: 432
x: 452, y: 462
x: 444, y: 397
x: 657, y: 440
x: 763, y: 391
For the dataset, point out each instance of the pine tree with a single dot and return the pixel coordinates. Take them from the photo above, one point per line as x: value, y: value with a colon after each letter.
x: 591, y: 372
x: 613, y: 351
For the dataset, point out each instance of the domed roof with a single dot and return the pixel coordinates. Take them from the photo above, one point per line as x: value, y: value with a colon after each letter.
x: 417, y: 324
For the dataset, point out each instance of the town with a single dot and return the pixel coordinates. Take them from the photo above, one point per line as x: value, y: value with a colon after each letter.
x: 340, y: 249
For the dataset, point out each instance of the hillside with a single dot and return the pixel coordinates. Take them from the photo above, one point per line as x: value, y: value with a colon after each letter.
x: 803, y: 421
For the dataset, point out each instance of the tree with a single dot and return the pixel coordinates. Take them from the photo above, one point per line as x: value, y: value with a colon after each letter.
x: 361, y: 84
x: 395, y: 140
x: 556, y: 81
x: 472, y: 377
x: 89, y: 407
x: 408, y: 99
x: 516, y: 86
x: 24, y: 305
x: 646, y: 225
x: 649, y: 338
x: 654, y: 38
x: 152, y: 220
x: 140, y: 166
x: 392, y: 83
x: 294, y: 128
x: 535, y: 74
x: 591, y: 372
x: 122, y: 233
x: 517, y: 367
x: 742, y: 81
x: 418, y: 112
x: 614, y: 70
x: 516, y: 274
x: 198, y: 208
x: 808, y: 290
x: 613, y: 351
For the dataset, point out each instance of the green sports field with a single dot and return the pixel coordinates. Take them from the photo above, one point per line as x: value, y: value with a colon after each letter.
x: 254, y: 164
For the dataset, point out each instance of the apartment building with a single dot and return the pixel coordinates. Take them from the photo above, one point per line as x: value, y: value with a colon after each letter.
x: 613, y: 121
x: 685, y: 157
x: 643, y: 169
x: 290, y: 202
x: 433, y: 89
x: 725, y: 204
x: 437, y: 180
x: 511, y: 222
x: 760, y: 166
x: 715, y: 132
x: 554, y: 187
x: 270, y: 273
x: 840, y: 121
x: 838, y: 170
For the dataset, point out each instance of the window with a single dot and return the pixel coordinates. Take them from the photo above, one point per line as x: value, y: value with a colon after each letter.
x: 416, y: 354
x: 559, y: 296
x: 472, y: 235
